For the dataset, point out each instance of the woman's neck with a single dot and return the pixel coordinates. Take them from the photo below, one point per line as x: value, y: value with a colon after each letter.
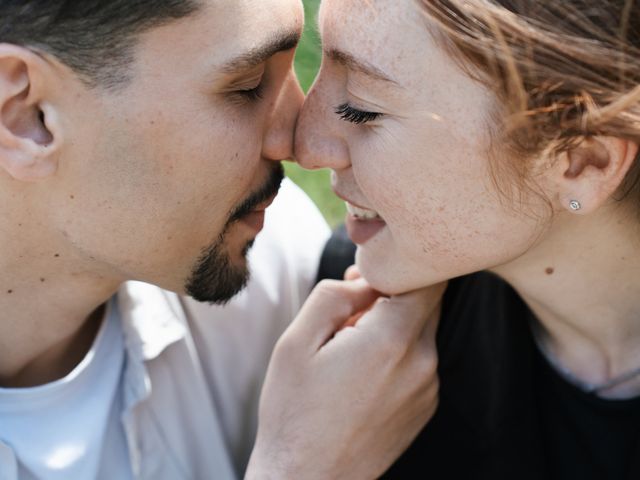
x: 582, y: 281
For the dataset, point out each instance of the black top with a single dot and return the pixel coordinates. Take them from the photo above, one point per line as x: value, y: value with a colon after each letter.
x: 338, y: 255
x: 504, y: 412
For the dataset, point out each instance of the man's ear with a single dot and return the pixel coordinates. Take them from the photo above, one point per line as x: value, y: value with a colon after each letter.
x: 589, y: 174
x: 29, y: 128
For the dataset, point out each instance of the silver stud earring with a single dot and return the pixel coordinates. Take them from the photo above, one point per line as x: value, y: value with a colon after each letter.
x: 575, y: 205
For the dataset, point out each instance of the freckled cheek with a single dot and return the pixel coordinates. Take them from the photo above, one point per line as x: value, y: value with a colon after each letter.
x: 423, y: 222
x: 397, y: 193
x: 423, y: 231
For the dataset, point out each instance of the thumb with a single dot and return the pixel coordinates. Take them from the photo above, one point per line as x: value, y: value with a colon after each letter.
x: 327, y: 309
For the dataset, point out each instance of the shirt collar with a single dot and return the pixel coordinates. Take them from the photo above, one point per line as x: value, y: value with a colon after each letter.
x: 152, y: 319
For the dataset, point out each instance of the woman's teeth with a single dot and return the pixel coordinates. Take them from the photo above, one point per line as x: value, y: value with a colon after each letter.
x: 362, y: 213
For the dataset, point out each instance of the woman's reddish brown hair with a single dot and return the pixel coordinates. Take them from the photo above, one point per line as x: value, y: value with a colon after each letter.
x: 564, y: 70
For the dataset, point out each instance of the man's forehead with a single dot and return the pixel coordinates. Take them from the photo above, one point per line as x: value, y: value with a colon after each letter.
x: 220, y: 33
x: 248, y: 29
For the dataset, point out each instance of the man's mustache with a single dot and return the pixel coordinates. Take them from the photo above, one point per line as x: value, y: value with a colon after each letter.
x: 268, y: 190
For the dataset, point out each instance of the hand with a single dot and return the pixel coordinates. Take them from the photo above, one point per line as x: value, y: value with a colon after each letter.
x: 346, y: 402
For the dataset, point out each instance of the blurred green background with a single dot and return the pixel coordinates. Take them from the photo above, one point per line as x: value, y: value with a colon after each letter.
x: 315, y: 183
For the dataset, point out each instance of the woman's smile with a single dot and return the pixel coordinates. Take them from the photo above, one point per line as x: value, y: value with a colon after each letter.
x: 362, y: 225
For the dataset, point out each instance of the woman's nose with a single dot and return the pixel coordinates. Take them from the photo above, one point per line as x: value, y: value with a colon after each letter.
x: 318, y: 141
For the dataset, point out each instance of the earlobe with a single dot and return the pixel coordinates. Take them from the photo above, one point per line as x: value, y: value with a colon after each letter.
x: 28, y: 137
x: 27, y: 168
x: 592, y: 172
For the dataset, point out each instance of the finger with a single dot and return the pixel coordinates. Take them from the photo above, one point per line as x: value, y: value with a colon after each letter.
x: 353, y: 319
x: 328, y: 308
x: 406, y: 317
x: 352, y: 273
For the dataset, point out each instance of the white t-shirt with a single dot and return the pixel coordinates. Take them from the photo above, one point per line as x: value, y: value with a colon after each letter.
x: 71, y: 428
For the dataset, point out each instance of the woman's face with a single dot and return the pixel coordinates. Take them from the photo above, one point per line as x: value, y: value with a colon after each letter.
x: 407, y: 135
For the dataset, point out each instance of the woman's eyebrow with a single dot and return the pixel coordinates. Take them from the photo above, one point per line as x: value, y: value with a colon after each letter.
x: 352, y: 63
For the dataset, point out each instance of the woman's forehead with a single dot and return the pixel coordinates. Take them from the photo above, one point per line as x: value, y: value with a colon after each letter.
x: 385, y: 35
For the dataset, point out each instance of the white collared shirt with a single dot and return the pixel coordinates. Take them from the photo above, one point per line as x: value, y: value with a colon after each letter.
x: 192, y: 372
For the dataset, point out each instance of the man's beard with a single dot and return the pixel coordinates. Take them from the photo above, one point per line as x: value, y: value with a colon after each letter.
x: 214, y: 278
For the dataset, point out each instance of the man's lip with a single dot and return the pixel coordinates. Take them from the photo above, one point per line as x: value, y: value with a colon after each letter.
x: 254, y: 219
x: 264, y: 205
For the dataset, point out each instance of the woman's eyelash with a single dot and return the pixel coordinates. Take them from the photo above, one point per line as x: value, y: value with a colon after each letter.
x: 353, y: 115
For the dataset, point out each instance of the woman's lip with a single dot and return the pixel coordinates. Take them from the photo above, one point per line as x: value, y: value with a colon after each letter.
x: 361, y: 231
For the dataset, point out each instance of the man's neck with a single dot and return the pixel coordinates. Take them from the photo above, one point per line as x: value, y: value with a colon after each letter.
x: 51, y: 311
x: 581, y: 282
x: 60, y: 359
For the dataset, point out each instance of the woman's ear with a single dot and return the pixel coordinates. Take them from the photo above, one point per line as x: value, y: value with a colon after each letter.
x: 589, y: 174
x: 29, y: 127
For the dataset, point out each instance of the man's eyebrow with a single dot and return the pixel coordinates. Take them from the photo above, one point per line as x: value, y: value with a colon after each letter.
x: 254, y: 57
x: 352, y: 63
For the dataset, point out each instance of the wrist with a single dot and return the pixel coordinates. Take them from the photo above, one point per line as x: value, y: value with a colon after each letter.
x: 265, y: 466
x: 264, y: 470
x: 272, y: 466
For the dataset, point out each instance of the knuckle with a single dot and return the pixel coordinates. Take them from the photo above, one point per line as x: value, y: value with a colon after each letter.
x: 331, y: 293
x: 432, y: 405
x: 331, y: 297
x: 427, y: 363
x: 329, y: 287
x: 430, y: 396
x: 285, y: 349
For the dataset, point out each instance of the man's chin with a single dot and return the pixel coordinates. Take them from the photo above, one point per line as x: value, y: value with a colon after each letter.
x: 217, y: 277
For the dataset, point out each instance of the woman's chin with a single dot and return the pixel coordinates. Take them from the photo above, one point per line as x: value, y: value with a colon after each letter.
x: 383, y: 276
x: 395, y: 275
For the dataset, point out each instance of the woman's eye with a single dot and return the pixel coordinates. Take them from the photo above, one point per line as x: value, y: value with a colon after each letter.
x: 353, y: 115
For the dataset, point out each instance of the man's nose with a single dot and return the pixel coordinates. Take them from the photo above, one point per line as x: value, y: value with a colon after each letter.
x: 279, y: 136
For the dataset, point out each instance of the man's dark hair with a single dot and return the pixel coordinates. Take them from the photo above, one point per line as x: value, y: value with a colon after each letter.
x: 96, y: 38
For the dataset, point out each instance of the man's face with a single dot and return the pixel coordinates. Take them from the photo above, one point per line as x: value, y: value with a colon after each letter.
x: 166, y: 180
